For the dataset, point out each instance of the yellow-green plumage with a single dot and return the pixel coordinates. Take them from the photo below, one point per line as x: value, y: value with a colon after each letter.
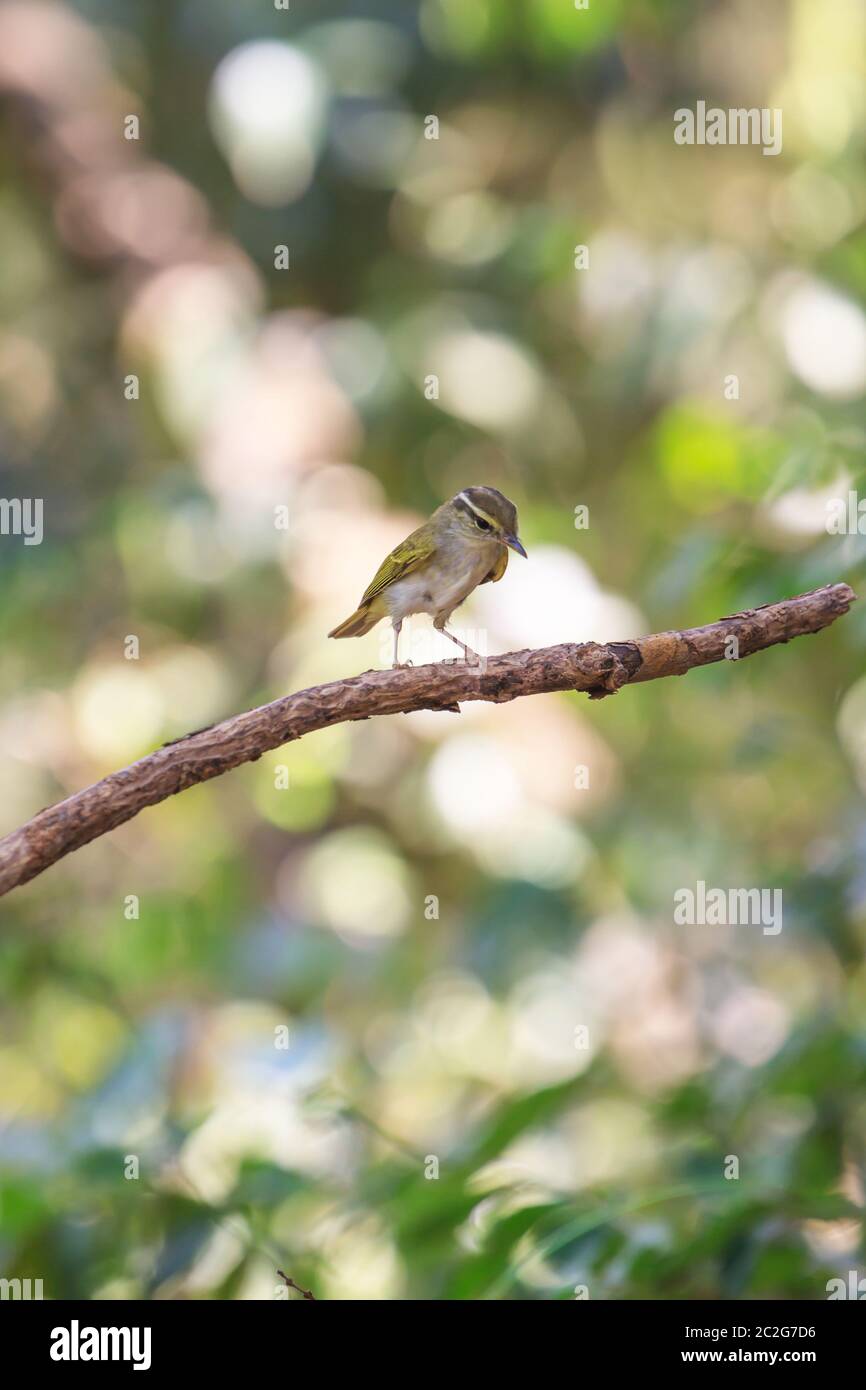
x: 360, y: 622
x: 464, y: 543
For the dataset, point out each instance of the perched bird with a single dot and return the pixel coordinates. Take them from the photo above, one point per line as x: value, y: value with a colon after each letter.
x: 463, y: 544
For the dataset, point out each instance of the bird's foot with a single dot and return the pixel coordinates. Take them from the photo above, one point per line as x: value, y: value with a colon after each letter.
x: 402, y: 665
x: 469, y: 656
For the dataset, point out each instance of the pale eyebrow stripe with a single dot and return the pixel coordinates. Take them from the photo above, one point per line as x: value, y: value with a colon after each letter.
x: 485, y: 516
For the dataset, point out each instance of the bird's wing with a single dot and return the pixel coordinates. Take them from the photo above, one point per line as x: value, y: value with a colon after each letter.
x: 499, y: 567
x: 404, y: 558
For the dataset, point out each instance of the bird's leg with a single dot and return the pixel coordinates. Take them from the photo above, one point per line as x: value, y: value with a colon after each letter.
x: 397, y: 627
x: 468, y: 653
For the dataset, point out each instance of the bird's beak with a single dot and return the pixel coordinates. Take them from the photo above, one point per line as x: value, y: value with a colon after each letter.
x: 514, y: 544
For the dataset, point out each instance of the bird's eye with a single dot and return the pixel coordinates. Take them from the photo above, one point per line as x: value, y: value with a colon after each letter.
x: 482, y: 524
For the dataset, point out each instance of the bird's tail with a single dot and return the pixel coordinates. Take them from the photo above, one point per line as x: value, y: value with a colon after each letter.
x: 360, y: 622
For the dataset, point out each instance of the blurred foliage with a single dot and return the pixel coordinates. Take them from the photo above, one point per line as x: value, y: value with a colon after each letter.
x: 432, y: 907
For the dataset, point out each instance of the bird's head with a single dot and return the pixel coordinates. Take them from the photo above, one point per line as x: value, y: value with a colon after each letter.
x: 484, y: 514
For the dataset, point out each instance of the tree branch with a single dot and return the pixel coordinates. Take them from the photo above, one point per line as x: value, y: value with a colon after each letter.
x: 596, y: 670
x: 290, y: 1284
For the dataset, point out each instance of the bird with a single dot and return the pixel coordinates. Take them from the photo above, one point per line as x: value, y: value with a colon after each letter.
x: 463, y: 544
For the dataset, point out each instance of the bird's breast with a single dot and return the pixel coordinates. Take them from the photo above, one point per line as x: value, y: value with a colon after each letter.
x: 442, y: 584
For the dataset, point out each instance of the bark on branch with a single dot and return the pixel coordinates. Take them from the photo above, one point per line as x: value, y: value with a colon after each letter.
x: 597, y: 670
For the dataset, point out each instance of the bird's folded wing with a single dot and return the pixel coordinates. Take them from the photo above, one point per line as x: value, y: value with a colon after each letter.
x: 404, y: 558
x: 499, y: 568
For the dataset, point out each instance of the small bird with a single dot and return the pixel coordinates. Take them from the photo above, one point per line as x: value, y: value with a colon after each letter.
x: 463, y: 544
